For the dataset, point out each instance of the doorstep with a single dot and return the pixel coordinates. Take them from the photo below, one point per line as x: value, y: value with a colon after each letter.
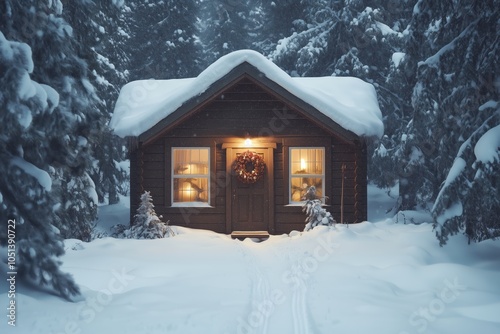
x: 240, y: 235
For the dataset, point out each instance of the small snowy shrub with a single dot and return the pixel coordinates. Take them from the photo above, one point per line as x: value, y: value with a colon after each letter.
x: 316, y: 215
x: 147, y: 225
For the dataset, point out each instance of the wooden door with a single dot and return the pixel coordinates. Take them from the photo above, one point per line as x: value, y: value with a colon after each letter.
x: 250, y: 205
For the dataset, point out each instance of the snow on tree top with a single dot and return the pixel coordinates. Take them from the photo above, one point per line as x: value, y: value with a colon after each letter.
x: 488, y: 146
x: 350, y: 102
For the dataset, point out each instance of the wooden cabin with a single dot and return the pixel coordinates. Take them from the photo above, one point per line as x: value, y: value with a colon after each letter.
x: 236, y: 148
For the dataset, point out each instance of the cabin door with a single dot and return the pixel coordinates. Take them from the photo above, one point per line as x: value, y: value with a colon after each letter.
x: 250, y: 204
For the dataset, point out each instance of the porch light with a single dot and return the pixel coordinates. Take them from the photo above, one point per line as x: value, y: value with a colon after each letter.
x: 248, y: 142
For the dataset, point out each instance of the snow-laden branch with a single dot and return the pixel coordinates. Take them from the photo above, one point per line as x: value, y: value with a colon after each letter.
x: 434, y: 59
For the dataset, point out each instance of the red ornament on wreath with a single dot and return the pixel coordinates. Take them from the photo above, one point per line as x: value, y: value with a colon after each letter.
x: 249, y: 167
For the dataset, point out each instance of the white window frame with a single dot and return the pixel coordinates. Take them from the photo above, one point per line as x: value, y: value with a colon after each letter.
x: 290, y: 175
x: 183, y: 176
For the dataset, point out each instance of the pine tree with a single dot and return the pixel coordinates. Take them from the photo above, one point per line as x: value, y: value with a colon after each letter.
x: 54, y: 139
x: 101, y: 29
x: 274, y: 20
x: 224, y: 26
x: 27, y: 192
x: 332, y: 39
x: 316, y: 215
x: 457, y: 48
x: 146, y: 225
x: 468, y: 201
x: 163, y: 39
x: 389, y: 165
x: 73, y: 126
x: 76, y: 122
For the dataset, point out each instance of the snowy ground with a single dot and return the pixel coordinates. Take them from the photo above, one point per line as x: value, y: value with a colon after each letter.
x: 377, y: 277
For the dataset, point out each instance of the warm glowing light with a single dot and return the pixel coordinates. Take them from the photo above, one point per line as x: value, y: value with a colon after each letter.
x: 188, y: 190
x: 302, y: 164
x: 248, y: 142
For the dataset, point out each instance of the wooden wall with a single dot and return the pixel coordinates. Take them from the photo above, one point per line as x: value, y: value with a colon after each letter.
x: 243, y: 109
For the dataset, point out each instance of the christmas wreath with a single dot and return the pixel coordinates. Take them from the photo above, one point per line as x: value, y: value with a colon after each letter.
x: 249, y: 167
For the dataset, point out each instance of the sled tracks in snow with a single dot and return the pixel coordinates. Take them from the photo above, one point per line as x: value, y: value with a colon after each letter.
x: 300, y: 311
x: 276, y: 305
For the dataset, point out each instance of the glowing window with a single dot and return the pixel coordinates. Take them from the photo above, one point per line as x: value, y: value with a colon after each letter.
x: 307, y: 168
x: 190, y: 175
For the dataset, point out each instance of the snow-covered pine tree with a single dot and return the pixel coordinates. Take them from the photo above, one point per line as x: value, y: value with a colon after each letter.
x: 389, y: 165
x: 101, y: 28
x: 274, y: 20
x: 311, y: 46
x: 76, y: 122
x: 457, y: 48
x: 469, y: 200
x: 316, y: 214
x: 28, y: 194
x: 72, y: 127
x: 147, y: 224
x: 57, y: 144
x: 163, y: 39
x: 223, y: 27
x: 329, y: 38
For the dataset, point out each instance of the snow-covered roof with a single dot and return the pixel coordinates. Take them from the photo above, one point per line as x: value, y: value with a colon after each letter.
x: 350, y: 102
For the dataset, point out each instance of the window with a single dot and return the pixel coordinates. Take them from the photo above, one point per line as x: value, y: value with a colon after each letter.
x: 190, y: 176
x: 307, y: 168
